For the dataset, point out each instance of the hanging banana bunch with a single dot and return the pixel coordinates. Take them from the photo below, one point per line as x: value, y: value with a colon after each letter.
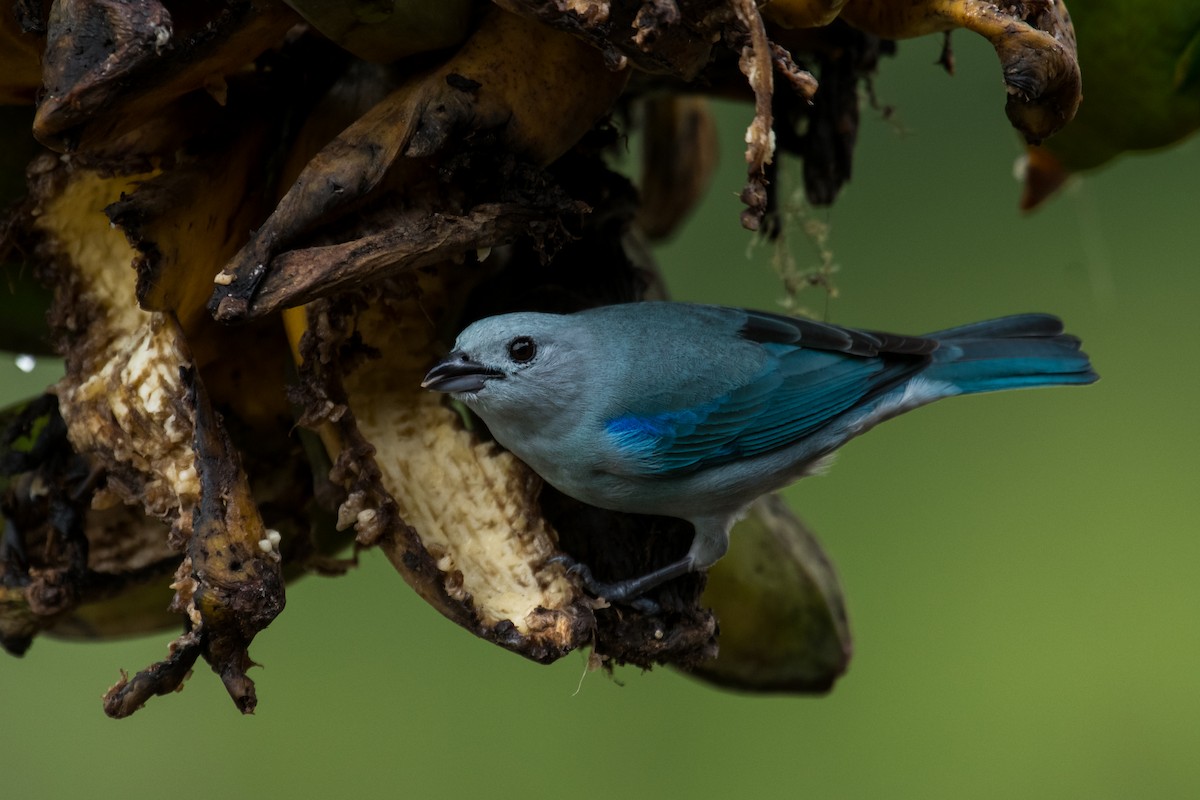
x: 254, y: 225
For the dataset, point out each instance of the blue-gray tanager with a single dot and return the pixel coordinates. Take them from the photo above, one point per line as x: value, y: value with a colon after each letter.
x: 693, y: 411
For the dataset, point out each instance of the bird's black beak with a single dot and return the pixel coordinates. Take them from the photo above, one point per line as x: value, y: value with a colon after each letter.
x: 457, y: 373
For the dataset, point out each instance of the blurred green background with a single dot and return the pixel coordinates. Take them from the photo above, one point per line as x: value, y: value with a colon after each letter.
x: 1021, y: 569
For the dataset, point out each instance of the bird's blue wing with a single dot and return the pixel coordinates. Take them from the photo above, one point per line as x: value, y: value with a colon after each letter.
x: 797, y: 391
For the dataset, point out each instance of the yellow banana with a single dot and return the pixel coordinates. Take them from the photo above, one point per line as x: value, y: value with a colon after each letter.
x: 1033, y: 39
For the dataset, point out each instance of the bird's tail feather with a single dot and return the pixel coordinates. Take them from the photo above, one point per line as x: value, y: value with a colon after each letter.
x: 1024, y: 350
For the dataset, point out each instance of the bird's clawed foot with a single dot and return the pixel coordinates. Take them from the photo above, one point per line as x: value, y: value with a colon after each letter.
x: 626, y: 593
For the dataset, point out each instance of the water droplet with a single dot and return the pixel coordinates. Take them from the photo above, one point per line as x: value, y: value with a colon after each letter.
x: 26, y: 363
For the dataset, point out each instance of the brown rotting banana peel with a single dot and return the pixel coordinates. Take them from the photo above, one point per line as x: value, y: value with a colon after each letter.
x: 538, y: 91
x: 456, y: 515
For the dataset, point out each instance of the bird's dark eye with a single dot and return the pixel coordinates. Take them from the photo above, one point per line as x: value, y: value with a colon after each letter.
x: 522, y: 349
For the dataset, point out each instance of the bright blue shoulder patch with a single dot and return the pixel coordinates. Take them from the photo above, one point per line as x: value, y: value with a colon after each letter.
x: 797, y: 392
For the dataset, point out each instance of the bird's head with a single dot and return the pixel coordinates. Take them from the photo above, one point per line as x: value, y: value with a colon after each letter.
x: 510, y: 364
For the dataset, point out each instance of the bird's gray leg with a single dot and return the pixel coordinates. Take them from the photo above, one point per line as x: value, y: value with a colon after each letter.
x: 708, y: 545
x: 710, y: 542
